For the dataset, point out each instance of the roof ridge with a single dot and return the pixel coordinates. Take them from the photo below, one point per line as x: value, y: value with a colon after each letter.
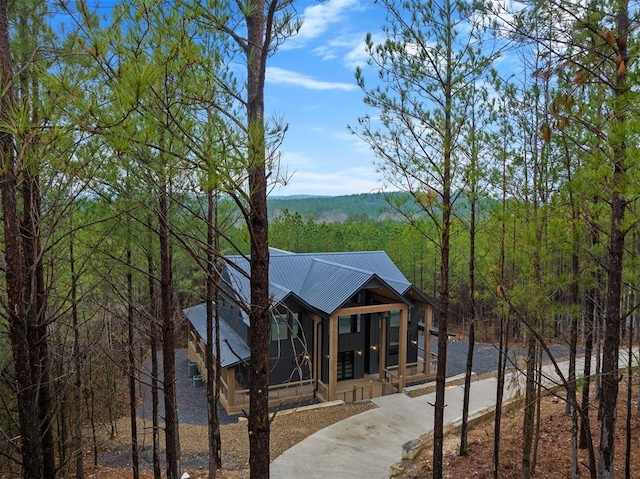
x: 345, y: 266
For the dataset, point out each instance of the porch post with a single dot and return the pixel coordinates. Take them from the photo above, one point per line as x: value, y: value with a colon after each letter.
x: 333, y: 357
x: 383, y: 345
x: 402, y: 353
x: 231, y: 387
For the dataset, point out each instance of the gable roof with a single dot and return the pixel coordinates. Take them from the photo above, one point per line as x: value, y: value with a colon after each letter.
x: 320, y: 281
x: 323, y: 281
x: 233, y: 349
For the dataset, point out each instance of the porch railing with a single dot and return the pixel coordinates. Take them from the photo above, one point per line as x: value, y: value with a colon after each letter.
x: 357, y: 393
x: 413, y: 370
x: 279, y: 393
x: 322, y: 391
x: 390, y: 387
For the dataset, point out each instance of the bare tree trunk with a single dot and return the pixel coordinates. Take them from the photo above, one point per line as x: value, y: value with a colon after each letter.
x: 536, y: 437
x: 609, y: 396
x: 472, y: 286
x: 586, y: 441
x: 135, y: 467
x: 572, y: 398
x: 598, y: 322
x: 168, y: 340
x: 467, y: 389
x: 590, y: 312
x: 28, y: 410
x: 502, y: 363
x: 503, y: 329
x: 443, y: 299
x: 530, y: 401
x: 259, y: 425
x: 629, y: 439
x: 153, y: 333
x: 90, y: 405
x: 78, y: 452
x: 213, y: 370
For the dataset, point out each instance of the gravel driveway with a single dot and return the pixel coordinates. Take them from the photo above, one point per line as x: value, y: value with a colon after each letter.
x: 485, y: 356
x: 192, y: 400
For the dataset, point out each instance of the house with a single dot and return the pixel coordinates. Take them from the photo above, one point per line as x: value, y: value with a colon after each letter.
x: 344, y: 326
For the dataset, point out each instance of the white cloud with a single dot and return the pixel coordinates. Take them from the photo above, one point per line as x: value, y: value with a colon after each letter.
x: 356, y: 143
x: 351, y: 48
x: 317, y: 19
x: 357, y: 55
x: 341, y: 182
x: 282, y: 76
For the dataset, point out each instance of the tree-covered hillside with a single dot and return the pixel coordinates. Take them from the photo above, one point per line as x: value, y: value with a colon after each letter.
x: 337, y: 209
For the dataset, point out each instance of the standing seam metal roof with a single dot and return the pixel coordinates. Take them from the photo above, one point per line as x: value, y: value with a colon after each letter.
x: 322, y: 280
x: 233, y: 349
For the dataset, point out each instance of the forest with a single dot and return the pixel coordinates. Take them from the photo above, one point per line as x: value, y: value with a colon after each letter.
x: 134, y: 158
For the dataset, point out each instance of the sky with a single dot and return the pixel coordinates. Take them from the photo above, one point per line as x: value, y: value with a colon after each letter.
x: 310, y: 85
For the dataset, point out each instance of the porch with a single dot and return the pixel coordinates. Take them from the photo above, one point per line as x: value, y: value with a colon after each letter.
x: 371, y: 386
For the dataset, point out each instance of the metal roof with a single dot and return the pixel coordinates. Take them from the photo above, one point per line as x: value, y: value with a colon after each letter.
x: 233, y: 349
x: 322, y: 280
x: 328, y: 285
x: 377, y: 262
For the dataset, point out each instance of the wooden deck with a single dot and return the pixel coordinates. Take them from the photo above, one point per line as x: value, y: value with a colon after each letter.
x: 371, y: 386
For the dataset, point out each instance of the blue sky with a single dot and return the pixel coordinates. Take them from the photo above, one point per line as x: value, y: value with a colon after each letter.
x: 311, y: 85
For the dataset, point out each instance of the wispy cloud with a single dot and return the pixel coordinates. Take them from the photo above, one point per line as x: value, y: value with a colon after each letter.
x: 344, y: 182
x: 356, y: 55
x: 320, y: 17
x: 282, y: 76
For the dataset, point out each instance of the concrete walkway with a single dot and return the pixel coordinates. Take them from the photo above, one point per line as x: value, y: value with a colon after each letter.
x: 368, y: 444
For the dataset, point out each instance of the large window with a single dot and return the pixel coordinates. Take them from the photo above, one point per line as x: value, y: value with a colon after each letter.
x: 394, y: 332
x: 284, y: 326
x: 349, y: 324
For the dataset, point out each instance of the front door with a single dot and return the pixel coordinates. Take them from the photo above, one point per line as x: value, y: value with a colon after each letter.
x: 345, y: 365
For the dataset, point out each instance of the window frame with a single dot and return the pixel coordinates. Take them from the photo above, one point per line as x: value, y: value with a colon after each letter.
x: 354, y: 324
x: 284, y: 325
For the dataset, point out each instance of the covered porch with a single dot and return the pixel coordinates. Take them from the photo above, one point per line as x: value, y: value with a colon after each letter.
x: 377, y: 377
x: 371, y: 386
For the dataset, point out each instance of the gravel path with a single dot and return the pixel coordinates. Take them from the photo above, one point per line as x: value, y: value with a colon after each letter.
x: 192, y: 400
x: 485, y: 356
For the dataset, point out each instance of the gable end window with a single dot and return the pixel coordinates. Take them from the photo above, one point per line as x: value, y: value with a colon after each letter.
x: 284, y: 326
x: 349, y: 324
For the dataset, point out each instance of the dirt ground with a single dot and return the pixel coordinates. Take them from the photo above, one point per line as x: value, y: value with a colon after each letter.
x: 286, y: 431
x: 554, y: 450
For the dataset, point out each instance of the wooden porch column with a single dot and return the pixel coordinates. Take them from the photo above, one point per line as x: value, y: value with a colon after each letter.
x: 384, y: 318
x: 333, y: 356
x: 402, y: 353
x: 231, y: 387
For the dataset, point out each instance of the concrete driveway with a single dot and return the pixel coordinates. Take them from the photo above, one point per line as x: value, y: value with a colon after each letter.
x: 368, y: 444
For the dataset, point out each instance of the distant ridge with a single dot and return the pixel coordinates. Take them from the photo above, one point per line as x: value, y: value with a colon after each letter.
x: 334, y: 209
x: 298, y: 197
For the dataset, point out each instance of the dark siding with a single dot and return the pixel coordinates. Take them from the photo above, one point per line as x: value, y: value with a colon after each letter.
x: 412, y: 349
x: 290, y: 359
x: 372, y: 338
x: 354, y: 342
